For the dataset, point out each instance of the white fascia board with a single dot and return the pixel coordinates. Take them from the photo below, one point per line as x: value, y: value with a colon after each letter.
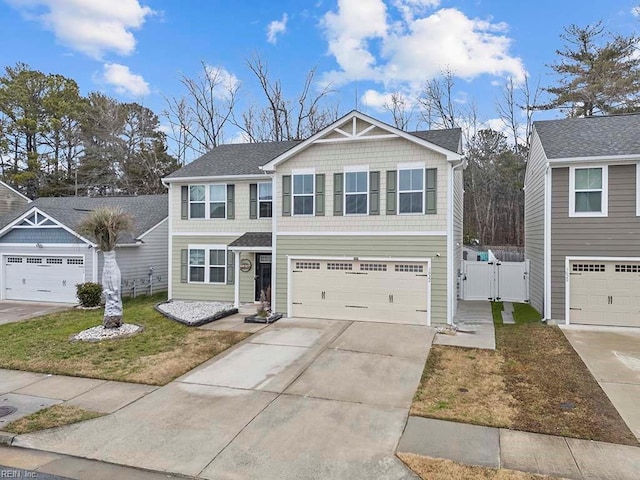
x: 271, y: 166
x: 604, y: 159
x: 24, y: 197
x: 434, y: 233
x: 45, y: 214
x: 213, y: 178
x: 251, y: 249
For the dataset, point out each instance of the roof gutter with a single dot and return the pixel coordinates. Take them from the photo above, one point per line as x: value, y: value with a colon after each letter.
x: 208, y: 178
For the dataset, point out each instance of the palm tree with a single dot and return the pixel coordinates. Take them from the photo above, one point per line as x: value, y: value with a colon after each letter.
x: 104, y: 225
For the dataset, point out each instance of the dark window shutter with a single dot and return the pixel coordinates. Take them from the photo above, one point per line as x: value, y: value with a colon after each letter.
x: 320, y: 194
x: 286, y: 195
x: 374, y: 193
x: 391, y: 191
x: 231, y: 267
x: 231, y: 202
x: 184, y: 265
x: 430, y: 191
x: 253, y: 200
x: 184, y: 202
x: 338, y: 198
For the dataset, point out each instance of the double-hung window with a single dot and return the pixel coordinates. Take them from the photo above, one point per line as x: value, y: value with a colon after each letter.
x: 356, y: 192
x: 207, y: 265
x: 303, y: 194
x: 411, y: 190
x: 265, y: 200
x: 208, y: 201
x: 588, y: 197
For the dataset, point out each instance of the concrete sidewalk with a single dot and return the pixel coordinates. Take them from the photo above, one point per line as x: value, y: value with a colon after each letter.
x: 529, y: 452
x: 475, y: 326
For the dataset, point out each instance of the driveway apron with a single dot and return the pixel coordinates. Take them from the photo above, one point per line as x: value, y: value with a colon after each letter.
x: 302, y: 398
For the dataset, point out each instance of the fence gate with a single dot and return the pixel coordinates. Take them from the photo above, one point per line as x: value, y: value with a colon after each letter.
x: 495, y: 281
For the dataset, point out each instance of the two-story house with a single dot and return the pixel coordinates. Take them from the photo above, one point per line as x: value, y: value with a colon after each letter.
x: 361, y: 221
x: 582, y: 224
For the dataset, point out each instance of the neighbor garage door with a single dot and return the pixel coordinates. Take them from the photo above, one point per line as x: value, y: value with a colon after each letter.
x: 395, y: 292
x: 42, y: 279
x: 604, y: 293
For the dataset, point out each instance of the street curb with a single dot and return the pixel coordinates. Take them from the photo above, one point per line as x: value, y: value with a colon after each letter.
x: 6, y: 438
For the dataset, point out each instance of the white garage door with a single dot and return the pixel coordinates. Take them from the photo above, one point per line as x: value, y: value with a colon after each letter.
x: 604, y: 293
x: 42, y: 279
x: 394, y: 292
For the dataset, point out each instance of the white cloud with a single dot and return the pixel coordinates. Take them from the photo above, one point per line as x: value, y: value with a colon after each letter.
x: 368, y: 44
x: 276, y: 28
x: 124, y: 81
x: 222, y: 80
x: 635, y: 11
x: 92, y: 27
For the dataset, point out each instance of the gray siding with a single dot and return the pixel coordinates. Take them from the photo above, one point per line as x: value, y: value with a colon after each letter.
x: 10, y: 200
x: 39, y: 235
x: 534, y: 222
x: 617, y: 235
x: 458, y: 223
x: 372, y: 246
x: 134, y: 263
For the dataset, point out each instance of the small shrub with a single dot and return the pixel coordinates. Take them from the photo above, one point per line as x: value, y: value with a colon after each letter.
x: 89, y: 294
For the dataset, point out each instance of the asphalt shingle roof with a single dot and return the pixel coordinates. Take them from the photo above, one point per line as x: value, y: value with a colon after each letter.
x: 253, y: 239
x: 590, y: 136
x: 146, y: 210
x: 247, y: 158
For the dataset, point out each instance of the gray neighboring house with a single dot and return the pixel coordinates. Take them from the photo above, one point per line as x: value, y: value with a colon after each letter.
x: 582, y: 220
x: 11, y: 199
x: 43, y: 256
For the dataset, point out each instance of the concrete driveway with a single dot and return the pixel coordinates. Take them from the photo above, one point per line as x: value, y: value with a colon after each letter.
x: 11, y: 311
x: 612, y: 354
x: 303, y: 398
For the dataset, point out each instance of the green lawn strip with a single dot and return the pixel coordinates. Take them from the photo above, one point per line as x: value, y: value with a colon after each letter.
x: 51, y: 417
x: 42, y: 345
x: 496, y: 311
x: 525, y: 313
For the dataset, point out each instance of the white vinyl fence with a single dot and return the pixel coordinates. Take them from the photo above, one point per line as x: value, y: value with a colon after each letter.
x: 495, y: 281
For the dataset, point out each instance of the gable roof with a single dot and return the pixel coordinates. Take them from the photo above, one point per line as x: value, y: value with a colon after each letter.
x: 246, y: 159
x: 610, y: 136
x: 147, y: 211
x: 16, y: 192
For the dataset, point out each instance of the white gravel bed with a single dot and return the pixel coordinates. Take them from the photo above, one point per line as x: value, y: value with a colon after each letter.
x: 95, y: 334
x: 194, y: 312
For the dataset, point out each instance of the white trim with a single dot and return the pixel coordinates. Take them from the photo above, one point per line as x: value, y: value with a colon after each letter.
x: 170, y: 246
x: 94, y: 267
x: 24, y: 197
x: 411, y: 166
x: 434, y: 233
x: 423, y: 191
x: 236, y: 286
x: 291, y: 258
x: 567, y: 290
x: 452, y: 156
x: 303, y: 171
x: 207, y: 234
x: 36, y: 209
x: 153, y: 228
x: 214, y: 178
x: 207, y: 248
x: 82, y: 246
x: 451, y: 276
x: 596, y: 159
x: 356, y: 168
x: 548, y: 180
x: 258, y: 199
x: 251, y: 249
x: 345, y: 193
x: 604, y: 191
x: 638, y: 189
x: 274, y: 256
x: 299, y: 173
x: 358, y: 138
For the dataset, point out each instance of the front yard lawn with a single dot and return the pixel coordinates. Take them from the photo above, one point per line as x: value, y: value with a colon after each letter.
x: 534, y: 381
x: 55, y: 416
x: 162, y: 352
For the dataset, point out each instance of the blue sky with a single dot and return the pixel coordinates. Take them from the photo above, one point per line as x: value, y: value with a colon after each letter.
x: 136, y: 50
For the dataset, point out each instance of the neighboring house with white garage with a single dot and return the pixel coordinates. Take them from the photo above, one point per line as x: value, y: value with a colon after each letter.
x: 11, y: 199
x: 582, y: 220
x: 43, y: 255
x: 361, y: 221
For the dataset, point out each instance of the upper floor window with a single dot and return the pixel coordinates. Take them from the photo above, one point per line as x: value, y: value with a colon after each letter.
x: 303, y: 194
x: 356, y: 191
x: 265, y: 200
x: 208, y: 201
x: 411, y: 190
x: 588, y: 192
x: 207, y: 265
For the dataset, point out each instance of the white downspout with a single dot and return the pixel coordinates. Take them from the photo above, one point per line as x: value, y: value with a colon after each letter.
x: 547, y: 243
x: 451, y: 280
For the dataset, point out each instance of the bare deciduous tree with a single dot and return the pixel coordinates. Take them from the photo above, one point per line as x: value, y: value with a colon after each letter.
x: 401, y: 108
x: 516, y: 107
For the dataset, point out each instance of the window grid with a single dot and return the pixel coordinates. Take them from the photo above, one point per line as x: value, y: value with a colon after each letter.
x: 356, y: 192
x: 14, y: 260
x: 75, y: 261
x: 373, y: 267
x: 409, y: 268
x: 411, y: 194
x: 265, y: 200
x: 339, y: 266
x: 34, y: 260
x: 303, y: 194
x: 54, y: 261
x: 307, y: 265
x: 627, y: 268
x: 588, y: 267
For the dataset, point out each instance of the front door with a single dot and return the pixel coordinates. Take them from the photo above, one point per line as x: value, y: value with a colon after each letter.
x: 263, y: 273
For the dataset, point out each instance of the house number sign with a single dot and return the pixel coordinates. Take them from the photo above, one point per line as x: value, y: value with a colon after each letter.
x: 245, y: 265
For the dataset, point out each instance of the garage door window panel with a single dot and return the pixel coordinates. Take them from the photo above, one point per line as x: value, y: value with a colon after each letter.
x: 588, y: 191
x: 411, y: 191
x: 356, y: 187
x: 303, y: 194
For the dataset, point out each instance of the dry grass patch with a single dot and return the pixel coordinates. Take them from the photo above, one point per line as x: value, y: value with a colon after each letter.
x: 55, y: 416
x: 162, y: 352
x: 466, y: 385
x: 439, y: 469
